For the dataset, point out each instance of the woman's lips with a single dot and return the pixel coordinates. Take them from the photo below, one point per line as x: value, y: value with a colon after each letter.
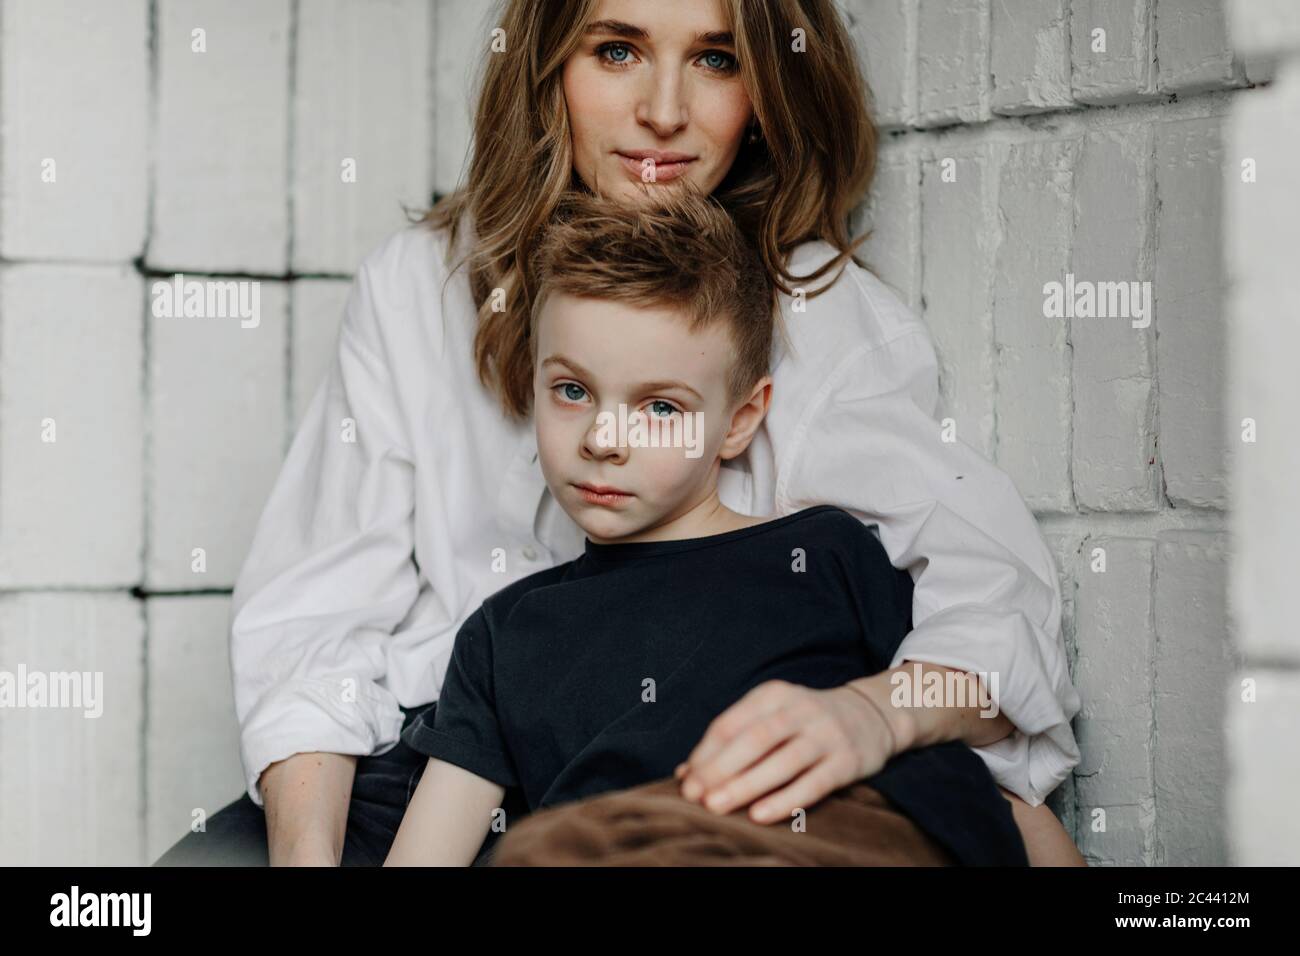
x: 598, y: 498
x: 663, y: 172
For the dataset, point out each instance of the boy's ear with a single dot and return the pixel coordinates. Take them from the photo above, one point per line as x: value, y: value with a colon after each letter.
x: 746, y: 419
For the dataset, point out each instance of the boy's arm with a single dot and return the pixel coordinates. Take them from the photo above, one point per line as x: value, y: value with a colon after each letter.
x: 447, y: 819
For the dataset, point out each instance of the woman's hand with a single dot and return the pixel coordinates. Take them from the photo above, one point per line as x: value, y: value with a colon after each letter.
x: 806, y: 742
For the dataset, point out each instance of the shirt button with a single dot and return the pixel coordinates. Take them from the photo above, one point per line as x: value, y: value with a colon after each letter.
x: 529, y: 553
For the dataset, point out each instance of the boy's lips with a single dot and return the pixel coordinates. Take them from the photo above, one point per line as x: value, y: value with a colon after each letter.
x: 602, y: 494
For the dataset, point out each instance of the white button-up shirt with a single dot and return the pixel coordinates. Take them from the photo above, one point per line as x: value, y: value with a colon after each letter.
x: 408, y: 497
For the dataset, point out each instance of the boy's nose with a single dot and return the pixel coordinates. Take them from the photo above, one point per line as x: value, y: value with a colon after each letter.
x: 594, y: 448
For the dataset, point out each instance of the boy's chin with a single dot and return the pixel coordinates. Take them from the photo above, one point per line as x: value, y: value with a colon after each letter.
x: 606, y: 529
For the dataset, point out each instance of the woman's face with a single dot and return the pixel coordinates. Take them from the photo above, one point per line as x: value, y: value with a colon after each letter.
x: 655, y: 97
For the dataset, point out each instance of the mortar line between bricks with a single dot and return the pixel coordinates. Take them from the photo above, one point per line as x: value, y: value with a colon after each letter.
x: 291, y: 146
x: 1082, y: 118
x: 1151, y: 223
x: 1264, y: 662
x: 146, y: 439
x: 1153, y: 57
x: 912, y: 58
x: 1134, y: 524
x: 1072, y: 662
x: 1076, y: 148
x: 986, y: 61
x: 133, y: 591
x: 1157, y: 847
x: 153, y: 272
x: 1157, y: 844
x: 999, y: 159
x: 3, y: 760
x: 431, y: 103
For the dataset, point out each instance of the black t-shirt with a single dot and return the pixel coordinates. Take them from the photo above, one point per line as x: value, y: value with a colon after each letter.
x: 604, y: 672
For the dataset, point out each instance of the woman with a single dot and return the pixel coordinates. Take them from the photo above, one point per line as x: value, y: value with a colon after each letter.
x: 412, y: 491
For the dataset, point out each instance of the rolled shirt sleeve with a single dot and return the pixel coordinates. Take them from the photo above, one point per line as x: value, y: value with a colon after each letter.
x: 330, y: 572
x: 986, y: 597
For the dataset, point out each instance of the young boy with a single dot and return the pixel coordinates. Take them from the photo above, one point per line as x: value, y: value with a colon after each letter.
x: 652, y: 334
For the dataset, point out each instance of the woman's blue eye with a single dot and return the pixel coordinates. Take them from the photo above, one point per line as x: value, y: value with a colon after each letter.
x: 569, y: 394
x: 727, y: 64
x: 607, y: 51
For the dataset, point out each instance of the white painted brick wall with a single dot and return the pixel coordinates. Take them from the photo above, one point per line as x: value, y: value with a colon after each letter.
x: 1193, y: 662
x: 211, y: 469
x: 70, y: 792
x: 1192, y: 48
x: 1189, y: 286
x: 71, y: 426
x: 958, y: 293
x: 74, y: 100
x: 225, y: 164
x: 220, y: 189
x: 190, y: 698
x: 1262, y: 226
x: 1114, y: 676
x: 885, y: 32
x: 1114, y: 166
x: 1111, y: 50
x: 1032, y: 375
x: 361, y: 94
x: 1030, y: 56
x: 952, y: 61
x: 1115, y: 389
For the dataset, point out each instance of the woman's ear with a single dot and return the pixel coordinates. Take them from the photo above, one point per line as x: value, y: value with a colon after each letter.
x: 746, y: 419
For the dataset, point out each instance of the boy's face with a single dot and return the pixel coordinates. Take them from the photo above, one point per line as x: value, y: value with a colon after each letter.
x: 595, y: 355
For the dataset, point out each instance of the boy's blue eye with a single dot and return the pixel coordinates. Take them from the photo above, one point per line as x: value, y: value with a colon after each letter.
x: 668, y: 406
x: 569, y: 388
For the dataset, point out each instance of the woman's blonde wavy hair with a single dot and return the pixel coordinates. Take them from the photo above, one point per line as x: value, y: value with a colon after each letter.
x: 812, y: 164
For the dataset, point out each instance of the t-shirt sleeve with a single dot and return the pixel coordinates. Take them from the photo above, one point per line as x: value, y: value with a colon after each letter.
x: 466, y: 729
x: 882, y: 593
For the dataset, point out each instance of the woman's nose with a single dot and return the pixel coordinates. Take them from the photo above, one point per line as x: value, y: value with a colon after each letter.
x: 663, y: 103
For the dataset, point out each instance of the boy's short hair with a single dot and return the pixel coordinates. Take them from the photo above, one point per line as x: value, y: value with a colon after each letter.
x: 684, y: 251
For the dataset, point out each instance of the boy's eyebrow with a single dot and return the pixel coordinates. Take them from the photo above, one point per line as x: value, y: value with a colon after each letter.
x: 581, y: 372
x: 631, y: 32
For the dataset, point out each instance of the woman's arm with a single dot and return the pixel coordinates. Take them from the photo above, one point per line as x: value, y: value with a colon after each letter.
x: 1046, y: 842
x: 858, y: 430
x: 306, y: 798
x: 920, y: 722
x: 327, y: 578
x: 447, y: 819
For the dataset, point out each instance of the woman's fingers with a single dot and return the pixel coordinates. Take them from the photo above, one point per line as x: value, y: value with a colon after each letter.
x: 738, y: 736
x: 771, y: 738
x: 777, y: 768
x: 823, y: 778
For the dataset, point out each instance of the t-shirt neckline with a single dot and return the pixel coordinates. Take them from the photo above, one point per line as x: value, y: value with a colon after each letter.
x: 636, y: 550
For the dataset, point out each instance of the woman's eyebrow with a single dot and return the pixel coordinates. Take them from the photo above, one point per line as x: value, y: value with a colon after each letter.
x: 631, y: 32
